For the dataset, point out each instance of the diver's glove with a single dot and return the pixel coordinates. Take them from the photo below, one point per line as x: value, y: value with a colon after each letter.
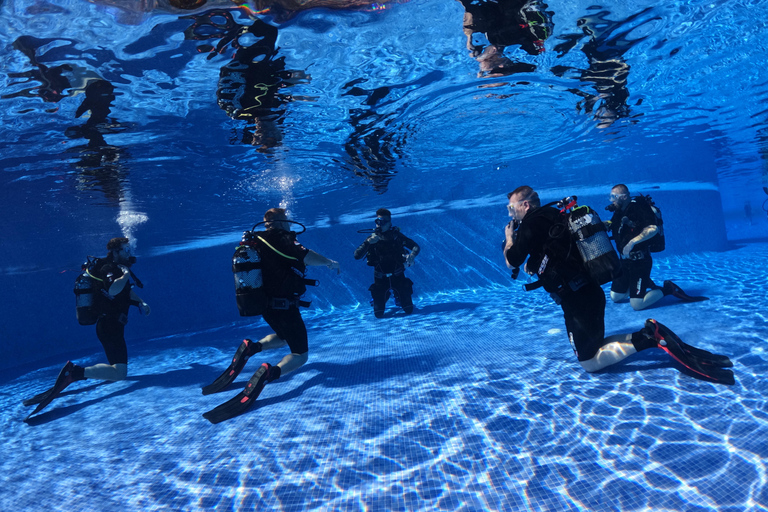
x: 409, y: 260
x: 373, y: 238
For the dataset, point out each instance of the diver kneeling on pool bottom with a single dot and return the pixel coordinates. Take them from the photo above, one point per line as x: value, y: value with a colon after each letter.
x: 386, y: 251
x: 563, y: 274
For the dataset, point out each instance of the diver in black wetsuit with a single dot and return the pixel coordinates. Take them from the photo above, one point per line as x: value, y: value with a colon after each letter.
x: 283, y: 261
x: 115, y: 297
x: 386, y: 250
x: 634, y: 224
x: 558, y: 265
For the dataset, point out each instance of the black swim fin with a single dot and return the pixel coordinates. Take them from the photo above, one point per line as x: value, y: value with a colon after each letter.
x: 43, y: 399
x: 706, y: 357
x: 671, y: 288
x: 246, y: 349
x: 243, y: 401
x: 669, y: 342
x: 37, y: 398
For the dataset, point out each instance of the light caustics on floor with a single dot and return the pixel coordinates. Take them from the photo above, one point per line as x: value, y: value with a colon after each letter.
x: 473, y: 403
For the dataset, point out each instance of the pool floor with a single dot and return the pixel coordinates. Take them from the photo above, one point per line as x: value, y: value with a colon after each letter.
x: 474, y: 402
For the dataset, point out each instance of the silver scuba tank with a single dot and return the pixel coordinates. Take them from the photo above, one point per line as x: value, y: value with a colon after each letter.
x: 246, y: 266
x: 86, y: 288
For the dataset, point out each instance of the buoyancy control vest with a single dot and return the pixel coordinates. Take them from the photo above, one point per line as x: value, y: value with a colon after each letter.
x: 92, y: 298
x: 265, y: 276
x: 578, y: 244
x: 388, y: 254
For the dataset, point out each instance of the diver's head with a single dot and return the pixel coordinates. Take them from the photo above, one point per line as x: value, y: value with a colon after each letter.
x: 383, y: 220
x: 120, y: 250
x: 619, y: 198
x: 274, y: 219
x: 522, y: 200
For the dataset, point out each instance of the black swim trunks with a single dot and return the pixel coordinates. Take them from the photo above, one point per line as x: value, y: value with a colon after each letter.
x: 289, y: 326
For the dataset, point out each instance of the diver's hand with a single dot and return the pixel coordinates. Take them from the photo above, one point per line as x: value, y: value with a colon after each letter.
x: 373, y: 238
x: 509, y: 233
x: 409, y: 260
x: 334, y: 265
x: 144, y: 308
x: 628, y: 248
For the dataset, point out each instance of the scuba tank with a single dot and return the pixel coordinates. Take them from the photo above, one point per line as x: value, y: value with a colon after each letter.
x: 589, y: 233
x: 246, y: 266
x: 657, y: 243
x: 88, y: 294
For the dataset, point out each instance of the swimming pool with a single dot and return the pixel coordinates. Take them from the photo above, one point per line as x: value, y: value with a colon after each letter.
x: 475, y: 402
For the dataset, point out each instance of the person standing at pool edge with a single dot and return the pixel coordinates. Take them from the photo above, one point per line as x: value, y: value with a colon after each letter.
x: 385, y: 250
x: 117, y: 296
x: 634, y: 226
x: 581, y: 297
x: 283, y: 262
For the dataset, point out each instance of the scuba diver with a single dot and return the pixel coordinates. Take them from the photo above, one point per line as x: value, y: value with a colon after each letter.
x: 386, y: 253
x: 563, y: 273
x: 104, y: 294
x: 637, y: 232
x: 278, y: 265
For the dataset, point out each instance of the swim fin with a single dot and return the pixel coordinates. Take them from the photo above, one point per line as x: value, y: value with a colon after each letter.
x: 670, y: 343
x: 706, y: 357
x: 243, y: 400
x: 246, y: 349
x: 43, y: 399
x: 671, y: 288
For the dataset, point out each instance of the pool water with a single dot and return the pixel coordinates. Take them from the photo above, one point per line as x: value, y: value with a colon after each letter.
x: 135, y: 119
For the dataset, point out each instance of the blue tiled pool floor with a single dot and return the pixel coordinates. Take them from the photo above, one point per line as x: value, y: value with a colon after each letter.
x: 475, y: 402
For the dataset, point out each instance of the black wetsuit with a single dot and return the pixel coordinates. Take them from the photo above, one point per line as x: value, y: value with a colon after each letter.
x: 110, y: 328
x: 635, y: 275
x: 562, y: 273
x: 282, y: 271
x: 387, y: 259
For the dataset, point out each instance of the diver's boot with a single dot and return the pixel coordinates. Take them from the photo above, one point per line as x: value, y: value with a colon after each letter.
x: 245, y: 399
x: 246, y: 349
x: 69, y: 374
x: 671, y: 288
x: 692, y: 358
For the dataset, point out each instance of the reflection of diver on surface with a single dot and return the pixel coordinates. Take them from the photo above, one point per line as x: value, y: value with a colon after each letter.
x: 53, y: 81
x: 608, y: 72
x: 249, y: 85
x: 374, y: 146
x: 523, y: 23
x: 100, y: 163
x: 389, y: 251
